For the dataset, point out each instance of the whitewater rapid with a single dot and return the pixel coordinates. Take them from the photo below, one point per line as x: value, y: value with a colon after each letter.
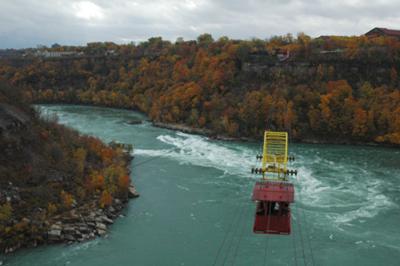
x: 343, y: 193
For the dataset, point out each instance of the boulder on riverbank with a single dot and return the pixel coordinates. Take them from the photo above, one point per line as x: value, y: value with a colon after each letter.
x: 132, y: 193
x: 83, y: 223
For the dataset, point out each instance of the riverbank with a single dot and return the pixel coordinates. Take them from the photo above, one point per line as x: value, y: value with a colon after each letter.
x: 213, y: 135
x: 86, y: 222
x: 199, y: 131
x: 56, y: 185
x: 79, y: 224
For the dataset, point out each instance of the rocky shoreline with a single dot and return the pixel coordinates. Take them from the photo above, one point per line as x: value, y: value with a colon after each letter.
x: 78, y: 224
x: 83, y: 223
x: 199, y: 131
x: 57, y: 186
x: 213, y: 135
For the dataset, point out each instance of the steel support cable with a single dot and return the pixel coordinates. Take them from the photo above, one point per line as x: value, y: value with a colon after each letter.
x: 227, y: 232
x: 154, y: 158
x: 267, y: 238
x: 294, y: 248
x: 298, y: 216
x: 233, y: 236
x: 149, y: 160
x: 293, y: 240
x: 301, y: 234
x: 242, y: 232
x: 268, y: 222
x: 236, y: 217
x: 241, y: 217
x: 306, y: 231
x: 240, y: 237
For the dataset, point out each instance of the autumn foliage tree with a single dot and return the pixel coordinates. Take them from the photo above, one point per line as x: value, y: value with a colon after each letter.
x: 105, y: 199
x: 67, y: 199
x: 335, y: 88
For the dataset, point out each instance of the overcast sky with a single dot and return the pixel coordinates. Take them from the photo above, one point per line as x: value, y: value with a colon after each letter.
x: 26, y: 23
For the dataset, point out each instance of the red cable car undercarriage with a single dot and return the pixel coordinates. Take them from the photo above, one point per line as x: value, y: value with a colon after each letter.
x: 273, y: 207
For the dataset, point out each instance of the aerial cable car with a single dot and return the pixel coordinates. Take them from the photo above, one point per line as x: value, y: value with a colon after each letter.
x: 273, y: 194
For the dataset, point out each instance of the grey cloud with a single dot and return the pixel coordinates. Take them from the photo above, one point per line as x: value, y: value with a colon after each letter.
x: 31, y: 22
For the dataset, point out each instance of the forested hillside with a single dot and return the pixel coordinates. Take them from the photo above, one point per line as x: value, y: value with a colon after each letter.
x: 335, y: 89
x: 50, y: 176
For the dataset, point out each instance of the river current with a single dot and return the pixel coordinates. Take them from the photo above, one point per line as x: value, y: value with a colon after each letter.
x: 195, y: 206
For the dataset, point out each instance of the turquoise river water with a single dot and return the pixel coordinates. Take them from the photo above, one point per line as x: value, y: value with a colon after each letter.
x: 195, y: 206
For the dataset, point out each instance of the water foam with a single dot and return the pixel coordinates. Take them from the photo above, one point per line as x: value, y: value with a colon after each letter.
x: 311, y: 189
x: 374, y: 203
x: 346, y: 193
x: 199, y: 151
x: 338, y: 192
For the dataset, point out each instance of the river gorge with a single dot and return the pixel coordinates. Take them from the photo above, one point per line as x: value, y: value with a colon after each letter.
x: 195, y: 206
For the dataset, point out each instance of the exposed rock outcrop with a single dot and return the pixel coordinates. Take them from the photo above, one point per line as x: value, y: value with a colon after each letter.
x: 132, y: 193
x: 80, y: 224
x: 11, y: 118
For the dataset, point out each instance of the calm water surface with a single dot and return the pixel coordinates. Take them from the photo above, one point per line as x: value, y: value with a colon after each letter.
x: 195, y: 206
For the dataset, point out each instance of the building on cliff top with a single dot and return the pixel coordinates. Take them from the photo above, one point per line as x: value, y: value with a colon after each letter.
x: 377, y: 32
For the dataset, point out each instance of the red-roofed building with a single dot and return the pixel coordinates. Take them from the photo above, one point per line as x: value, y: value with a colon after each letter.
x: 377, y: 32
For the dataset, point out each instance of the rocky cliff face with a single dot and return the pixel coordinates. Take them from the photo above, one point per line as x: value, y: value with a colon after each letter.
x: 11, y: 119
x: 298, y: 72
